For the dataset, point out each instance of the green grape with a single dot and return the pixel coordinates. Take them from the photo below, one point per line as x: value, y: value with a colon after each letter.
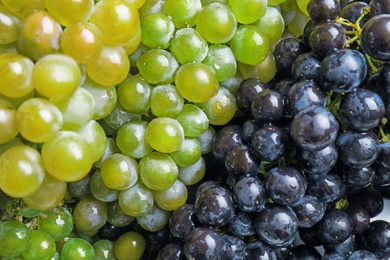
x: 221, y: 108
x: 119, y: 171
x: 151, y: 7
x: 27, y: 211
x: 22, y: 171
x: 131, y: 139
x: 100, y: 190
x: 130, y: 246
x: 302, y: 5
x: 171, y: 198
x: 183, y: 13
x: 16, y: 102
x: 116, y: 216
x: 289, y: 6
x: 118, y: 20
x: 250, y: 45
x: 166, y: 101
x: 134, y: 94
x: 56, y: 76
x: 137, y: 3
x: 110, y: 149
x: 14, y: 238
x: 155, y: 220
x: 222, y: 60
x: 68, y: 12
x: 157, y: 30
x: 131, y: 45
x: 136, y: 200
x: 111, y: 67
x: 82, y: 41
x: 248, y: 11
x: 95, y: 136
x: 67, y: 156
x: 49, y: 194
x: 22, y: 8
x: 42, y: 246
x: 193, y: 120
x: 165, y: 134
x: 272, y: 24
x: 265, y: 71
x: 81, y: 188
x: 105, y: 98
x: 189, y: 153
x: 8, y: 122
x: 232, y: 83
x: 206, y: 140
x: 16, y: 75
x: 34, y: 39
x: 141, y: 49
x: 77, y: 249
x: 119, y: 116
x: 8, y: 26
x: 157, y: 66
x: 275, y: 2
x: 194, y: 173
x: 216, y: 23
x: 196, y: 82
x: 298, y: 23
x: 206, y: 2
x: 188, y: 45
x: 158, y: 171
x: 104, y: 249
x: 90, y: 214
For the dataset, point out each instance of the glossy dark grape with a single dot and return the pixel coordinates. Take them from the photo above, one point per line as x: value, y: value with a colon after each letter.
x: 304, y: 252
x: 171, y: 251
x: 309, y: 211
x: 310, y: 235
x: 333, y: 256
x: 235, y: 248
x: 362, y: 109
x: 260, y: 250
x: 287, y: 50
x: 360, y: 218
x: 358, y: 178
x: 362, y: 254
x: 249, y: 128
x: 323, y: 10
x: 242, y: 224
x: 384, y: 78
x: 249, y: 194
x: 376, y: 236
x: 353, y: 11
x: 205, y: 186
x: 225, y: 139
x: 240, y: 162
x: 247, y: 91
x: 370, y: 198
x: 376, y: 84
x: 335, y: 227
x: 306, y: 66
x: 381, y: 178
x: 326, y: 187
x: 182, y: 221
x: 267, y: 106
x: 318, y: 162
x: 325, y: 37
x: 380, y: 7
x: 344, y: 247
x: 384, y: 155
x: 307, y: 31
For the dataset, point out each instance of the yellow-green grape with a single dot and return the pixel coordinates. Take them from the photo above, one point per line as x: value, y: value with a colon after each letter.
x: 155, y: 220
x: 158, y: 171
x: 221, y: 108
x: 8, y: 122
x: 248, y: 11
x: 94, y: 134
x: 233, y: 83
x: 14, y: 142
x: 183, y: 13
x: 134, y: 94
x: 119, y: 172
x: 68, y: 12
x: 131, y: 45
x: 49, y: 194
x: 222, y: 60
x: 166, y: 101
x: 110, y: 68
x: 105, y: 98
x: 39, y: 120
x: 265, y: 71
x: 82, y: 41
x: 22, y: 171
x: 157, y: 66
x: 250, y: 45
x: 206, y: 2
x: 193, y: 120
x: 189, y: 153
x: 39, y: 35
x: 136, y: 200
x: 141, y: 49
x: 104, y: 249
x: 151, y: 6
x: 77, y: 248
x: 116, y: 216
x: 56, y: 76
x: 77, y: 110
x: 42, y: 246
x: 14, y: 238
x: 67, y: 156
x: 118, y: 20
x: 57, y: 222
x: 272, y: 24
x: 90, y: 214
x: 188, y: 45
x: 8, y: 26
x: 194, y: 173
x: 196, y: 82
x: 216, y: 23
x: 111, y: 148
x: 22, y: 8
x: 131, y: 139
x: 298, y: 23
x: 173, y: 197
x: 206, y: 140
x: 302, y: 5
x: 289, y: 5
x: 130, y: 246
x: 137, y: 3
x: 120, y: 116
x: 157, y: 30
x: 165, y: 134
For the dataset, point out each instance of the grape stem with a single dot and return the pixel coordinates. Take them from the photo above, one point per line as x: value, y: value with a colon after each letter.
x: 334, y: 104
x: 384, y: 137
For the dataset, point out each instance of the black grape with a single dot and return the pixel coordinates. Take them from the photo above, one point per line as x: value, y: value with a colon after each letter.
x: 242, y: 224
x: 318, y: 162
x: 325, y: 37
x: 362, y: 254
x: 376, y: 236
x: 240, y: 162
x: 171, y: 251
x: 306, y: 66
x: 326, y: 187
x: 344, y: 247
x: 358, y: 178
x: 353, y: 11
x: 267, y: 106
x: 370, y: 198
x: 235, y: 248
x: 360, y: 217
x: 323, y: 10
x: 305, y: 252
x: 335, y: 227
x: 249, y: 194
x: 286, y: 51
x: 249, y: 128
x: 247, y: 91
x: 380, y: 7
x: 182, y: 221
x: 260, y: 250
x: 309, y: 211
x: 224, y: 140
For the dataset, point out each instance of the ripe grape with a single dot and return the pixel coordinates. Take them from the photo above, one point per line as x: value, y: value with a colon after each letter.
x: 183, y: 13
x: 70, y: 12
x: 14, y: 238
x: 157, y: 30
x: 77, y: 248
x: 375, y: 37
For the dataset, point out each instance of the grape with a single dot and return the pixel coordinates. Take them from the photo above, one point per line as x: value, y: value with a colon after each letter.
x: 24, y: 7
x: 117, y: 118
x: 240, y: 162
x: 156, y: 219
x: 14, y: 238
x: 193, y: 120
x: 225, y: 140
x: 166, y: 101
x: 157, y: 30
x: 259, y: 249
x: 100, y: 191
x: 188, y: 45
x: 42, y: 246
x: 206, y: 140
x: 265, y: 71
x: 57, y: 222
x: 335, y: 226
x: 116, y: 216
x: 247, y: 91
x: 286, y: 52
x: 320, y: 161
x: 325, y: 186
x: 173, y: 197
x: 104, y: 249
x: 132, y: 45
x: 90, y: 214
x: 267, y: 106
x: 171, y: 251
x: 70, y: 12
x: 95, y: 136
x: 130, y: 246
x: 8, y: 122
x: 194, y: 173
x: 309, y: 211
x: 222, y: 60
x: 111, y: 148
x: 379, y: 7
x: 323, y: 10
x: 189, y: 153
x: 375, y: 42
x: 249, y: 194
x: 134, y: 94
x: 77, y: 248
x: 272, y: 24
x: 165, y: 134
x: 136, y: 200
x: 183, y: 13
x: 306, y: 67
x: 248, y: 11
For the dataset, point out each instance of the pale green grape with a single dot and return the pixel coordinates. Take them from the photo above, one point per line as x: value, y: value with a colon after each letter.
x: 77, y: 248
x: 134, y: 94
x: 302, y: 4
x: 100, y: 190
x: 16, y: 102
x: 232, y: 83
x: 248, y: 11
x: 104, y: 249
x: 165, y: 134
x: 183, y: 13
x: 131, y: 45
x: 93, y: 133
x: 265, y: 71
x: 298, y: 23
x: 110, y: 149
x: 68, y: 12
x: 42, y: 246
x: 166, y: 101
x: 23, y: 8
x: 90, y: 214
x: 57, y: 222
x: 194, y: 173
x: 8, y: 122
x: 275, y: 2
x: 151, y: 7
x: 140, y: 50
x: 157, y: 30
x: 136, y: 200
x: 155, y: 220
x: 193, y: 120
x: 289, y: 5
x: 206, y: 2
x: 173, y: 197
x: 116, y: 216
x: 222, y: 60
x: 189, y: 153
x: 206, y: 140
x: 120, y: 116
x: 272, y: 24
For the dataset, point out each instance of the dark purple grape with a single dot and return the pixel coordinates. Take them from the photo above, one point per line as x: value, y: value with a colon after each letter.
x: 314, y: 128
x: 242, y: 224
x: 323, y: 10
x: 374, y: 83
x: 384, y: 78
x: 377, y: 236
x: 286, y: 51
x: 224, y: 140
x: 325, y: 37
x: 267, y: 106
x: 309, y: 211
x: 307, y: 31
x: 353, y: 11
x: 360, y: 218
x: 384, y: 155
x: 235, y: 248
x: 309, y: 235
x: 205, y: 186
x: 343, y: 70
x: 171, y: 251
x: 344, y: 247
x: 285, y: 185
x: 247, y: 91
x: 327, y: 187
x: 380, y: 7
x: 333, y: 256
x: 157, y: 240
x: 240, y: 162
x: 304, y: 252
x: 362, y: 109
x: 249, y: 194
x: 358, y: 149
x: 249, y: 129
x: 204, y: 244
x: 358, y: 178
x: 381, y: 177
x: 214, y: 207
x: 276, y: 225
x: 375, y: 37
x: 335, y: 227
x: 370, y: 198
x: 260, y: 250
x: 381, y: 255
x: 318, y: 162
x: 182, y: 221
x: 306, y: 66
x: 362, y: 254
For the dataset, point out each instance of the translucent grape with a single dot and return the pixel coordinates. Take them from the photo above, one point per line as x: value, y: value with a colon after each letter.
x: 99, y: 190
x: 165, y: 134
x: 116, y: 216
x: 77, y: 248
x: 272, y: 24
x: 155, y: 220
x: 104, y: 249
x: 193, y: 120
x: 183, y: 13
x: 24, y: 7
x: 265, y: 71
x: 137, y: 3
x: 222, y: 60
x: 131, y: 45
x: 137, y: 200
x: 130, y: 246
x: 166, y: 101
x: 206, y: 139
x: 248, y: 11
x: 157, y: 30
x: 110, y: 149
x: 173, y: 197
x: 134, y: 94
x: 14, y: 238
x: 119, y: 116
x: 90, y: 214
x: 42, y: 246
x: 57, y: 222
x: 95, y: 136
x: 189, y: 153
x: 70, y: 12
x: 192, y: 174
x: 8, y: 122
